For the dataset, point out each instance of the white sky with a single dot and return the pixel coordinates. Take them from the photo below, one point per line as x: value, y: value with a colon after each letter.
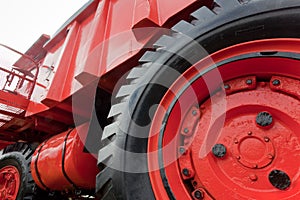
x: 23, y: 21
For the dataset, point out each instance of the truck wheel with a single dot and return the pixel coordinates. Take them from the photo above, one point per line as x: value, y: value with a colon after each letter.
x: 15, y: 175
x: 12, y: 176
x: 213, y: 113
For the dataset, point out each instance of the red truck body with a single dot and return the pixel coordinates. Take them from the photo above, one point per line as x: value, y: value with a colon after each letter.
x: 98, y: 44
x: 155, y: 99
x: 94, y: 48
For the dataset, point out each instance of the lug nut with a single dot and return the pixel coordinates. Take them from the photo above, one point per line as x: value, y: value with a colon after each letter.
x: 249, y: 82
x: 186, y: 130
x: 194, y: 112
x: 279, y: 179
x: 264, y: 119
x: 226, y: 87
x: 181, y: 150
x: 186, y: 172
x: 198, y: 194
x: 276, y: 82
x: 219, y: 150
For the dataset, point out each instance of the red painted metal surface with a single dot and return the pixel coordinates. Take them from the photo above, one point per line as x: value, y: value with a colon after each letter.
x: 101, y: 42
x: 225, y: 112
x: 9, y: 182
x: 98, y: 41
x: 62, y: 159
x: 16, y: 87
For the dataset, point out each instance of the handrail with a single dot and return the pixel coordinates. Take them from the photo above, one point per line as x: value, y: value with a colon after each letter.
x: 15, y: 74
x: 36, y: 66
x: 18, y: 52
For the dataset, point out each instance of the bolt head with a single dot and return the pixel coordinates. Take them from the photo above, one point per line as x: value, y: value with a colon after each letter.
x: 186, y: 172
x: 181, y: 150
x: 226, y: 87
x: 194, y: 112
x: 249, y: 82
x: 198, y: 194
x: 264, y: 119
x: 276, y: 82
x: 219, y: 150
x: 236, y: 141
x: 253, y: 177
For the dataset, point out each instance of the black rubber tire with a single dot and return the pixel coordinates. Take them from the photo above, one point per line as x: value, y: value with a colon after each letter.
x: 16, y: 159
x: 225, y: 23
x: 19, y: 155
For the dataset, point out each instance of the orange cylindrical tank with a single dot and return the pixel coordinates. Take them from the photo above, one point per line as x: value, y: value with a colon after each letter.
x: 61, y: 163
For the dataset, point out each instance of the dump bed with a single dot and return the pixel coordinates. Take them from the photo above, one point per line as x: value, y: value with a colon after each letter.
x: 42, y: 90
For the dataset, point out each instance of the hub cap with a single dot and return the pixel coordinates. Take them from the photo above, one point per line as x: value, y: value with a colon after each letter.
x: 236, y: 137
x: 9, y: 183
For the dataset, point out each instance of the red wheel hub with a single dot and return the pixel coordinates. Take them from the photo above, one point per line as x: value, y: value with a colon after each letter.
x: 253, y: 150
x: 9, y: 183
x: 232, y: 132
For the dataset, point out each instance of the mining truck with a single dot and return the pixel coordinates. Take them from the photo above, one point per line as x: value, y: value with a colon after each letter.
x: 156, y: 99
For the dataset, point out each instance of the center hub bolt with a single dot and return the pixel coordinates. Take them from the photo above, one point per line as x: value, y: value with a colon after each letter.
x: 219, y: 150
x: 264, y: 119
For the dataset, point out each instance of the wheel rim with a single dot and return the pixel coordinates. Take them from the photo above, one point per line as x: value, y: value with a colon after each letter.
x: 236, y: 139
x: 9, y: 182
